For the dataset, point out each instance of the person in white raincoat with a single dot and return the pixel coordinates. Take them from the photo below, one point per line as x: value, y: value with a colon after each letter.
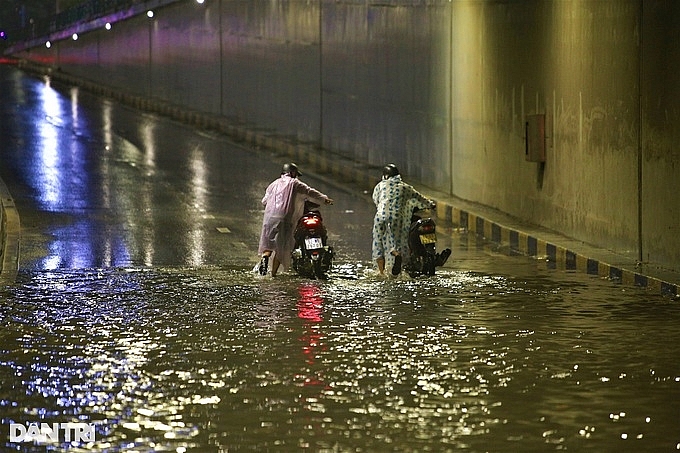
x: 283, y: 201
x: 394, y: 201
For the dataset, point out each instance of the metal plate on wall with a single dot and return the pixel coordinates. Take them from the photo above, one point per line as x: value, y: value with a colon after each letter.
x: 535, y: 138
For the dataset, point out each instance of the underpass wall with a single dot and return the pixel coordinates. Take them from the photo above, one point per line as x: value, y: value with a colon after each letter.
x: 443, y: 89
x: 366, y: 80
x: 660, y: 141
x: 576, y: 63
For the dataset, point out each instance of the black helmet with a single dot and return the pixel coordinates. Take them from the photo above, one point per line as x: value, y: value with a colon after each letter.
x: 390, y: 170
x: 291, y: 169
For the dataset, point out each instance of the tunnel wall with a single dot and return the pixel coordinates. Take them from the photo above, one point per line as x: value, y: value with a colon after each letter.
x: 660, y: 139
x: 577, y: 64
x: 444, y: 89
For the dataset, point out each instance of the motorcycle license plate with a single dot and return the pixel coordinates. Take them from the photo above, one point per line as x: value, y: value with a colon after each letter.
x: 313, y: 243
x: 430, y: 238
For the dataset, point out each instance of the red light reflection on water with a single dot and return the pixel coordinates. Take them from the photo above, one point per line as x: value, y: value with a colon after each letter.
x: 310, y: 310
x: 310, y: 303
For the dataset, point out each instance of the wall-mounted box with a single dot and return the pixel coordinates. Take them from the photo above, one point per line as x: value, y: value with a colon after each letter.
x: 535, y: 138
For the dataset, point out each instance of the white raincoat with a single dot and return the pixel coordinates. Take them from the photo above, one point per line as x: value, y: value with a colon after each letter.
x: 394, y: 201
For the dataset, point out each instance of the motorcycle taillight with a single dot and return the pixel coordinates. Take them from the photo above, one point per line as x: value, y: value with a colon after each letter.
x: 426, y: 228
x: 311, y: 222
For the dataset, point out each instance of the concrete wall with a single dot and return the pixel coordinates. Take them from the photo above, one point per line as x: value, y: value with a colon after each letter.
x: 575, y: 62
x: 660, y: 159
x: 444, y: 90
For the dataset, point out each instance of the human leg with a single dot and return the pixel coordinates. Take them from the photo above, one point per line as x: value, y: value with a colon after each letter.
x: 381, y: 265
x: 275, y: 265
x: 378, y: 244
x: 268, y: 241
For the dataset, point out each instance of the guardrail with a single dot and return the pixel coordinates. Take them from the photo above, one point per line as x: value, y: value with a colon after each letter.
x: 79, y: 19
x: 81, y: 13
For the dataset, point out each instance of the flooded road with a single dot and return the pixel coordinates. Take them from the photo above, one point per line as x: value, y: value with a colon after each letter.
x: 136, y: 310
x: 183, y: 359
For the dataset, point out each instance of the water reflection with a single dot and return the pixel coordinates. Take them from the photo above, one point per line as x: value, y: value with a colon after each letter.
x: 49, y: 124
x: 118, y: 189
x: 199, y: 192
x: 58, y: 167
x: 216, y: 359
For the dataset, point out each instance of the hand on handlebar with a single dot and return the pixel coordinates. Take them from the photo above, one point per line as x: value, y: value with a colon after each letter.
x: 328, y: 201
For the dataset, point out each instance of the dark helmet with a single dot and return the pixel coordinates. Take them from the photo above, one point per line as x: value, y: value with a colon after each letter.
x: 390, y: 170
x: 291, y: 169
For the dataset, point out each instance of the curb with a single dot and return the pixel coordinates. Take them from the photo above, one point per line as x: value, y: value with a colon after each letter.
x: 565, y: 253
x: 531, y: 240
x: 10, y: 231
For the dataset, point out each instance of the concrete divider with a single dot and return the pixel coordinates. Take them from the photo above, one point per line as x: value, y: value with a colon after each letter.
x: 10, y: 231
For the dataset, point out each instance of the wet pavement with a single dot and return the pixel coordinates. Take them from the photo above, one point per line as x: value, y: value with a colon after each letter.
x: 136, y: 310
x: 99, y: 185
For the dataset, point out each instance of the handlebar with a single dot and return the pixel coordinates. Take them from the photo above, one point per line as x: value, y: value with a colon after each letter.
x: 310, y: 205
x: 432, y: 207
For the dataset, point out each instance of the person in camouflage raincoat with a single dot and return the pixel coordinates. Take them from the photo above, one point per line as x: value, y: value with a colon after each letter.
x: 394, y: 200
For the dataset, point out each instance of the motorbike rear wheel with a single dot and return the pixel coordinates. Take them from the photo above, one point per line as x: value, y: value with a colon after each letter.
x: 318, y: 270
x: 414, y: 265
x: 428, y: 264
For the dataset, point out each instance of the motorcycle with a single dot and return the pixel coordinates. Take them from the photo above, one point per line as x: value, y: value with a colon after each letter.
x: 312, y: 256
x: 422, y: 238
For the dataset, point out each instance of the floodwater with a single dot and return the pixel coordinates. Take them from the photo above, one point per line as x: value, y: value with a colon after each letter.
x: 136, y: 310
x: 509, y: 356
